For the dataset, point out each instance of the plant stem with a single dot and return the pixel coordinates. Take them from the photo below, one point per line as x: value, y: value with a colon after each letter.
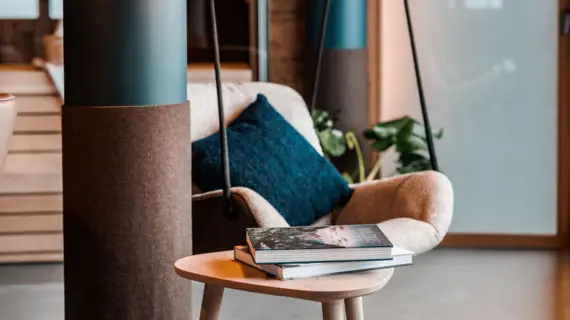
x: 375, y: 170
x: 352, y: 141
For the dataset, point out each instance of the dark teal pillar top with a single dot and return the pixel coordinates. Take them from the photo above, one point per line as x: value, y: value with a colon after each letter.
x: 346, y: 26
x: 125, y: 52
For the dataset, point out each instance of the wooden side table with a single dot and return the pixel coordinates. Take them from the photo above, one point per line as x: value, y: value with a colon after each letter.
x: 336, y: 293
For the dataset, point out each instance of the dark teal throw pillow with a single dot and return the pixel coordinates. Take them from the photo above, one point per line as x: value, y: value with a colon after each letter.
x: 270, y: 156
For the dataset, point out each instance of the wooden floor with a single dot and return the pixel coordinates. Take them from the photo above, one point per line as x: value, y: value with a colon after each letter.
x: 442, y: 285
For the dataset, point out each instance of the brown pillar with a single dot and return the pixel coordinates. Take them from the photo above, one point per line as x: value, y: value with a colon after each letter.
x: 344, y: 83
x: 126, y: 160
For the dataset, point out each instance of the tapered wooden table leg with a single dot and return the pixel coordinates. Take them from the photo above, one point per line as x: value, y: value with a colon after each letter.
x: 333, y: 310
x: 211, y: 302
x: 354, y: 309
x: 222, y: 270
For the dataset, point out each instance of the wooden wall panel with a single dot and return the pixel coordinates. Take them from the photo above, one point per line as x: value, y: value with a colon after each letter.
x: 34, y: 143
x: 25, y: 80
x: 24, y: 204
x: 29, y: 243
x: 33, y: 163
x: 35, y: 124
x: 287, y: 43
x: 30, y: 184
x: 29, y: 105
x: 32, y: 223
x: 42, y: 257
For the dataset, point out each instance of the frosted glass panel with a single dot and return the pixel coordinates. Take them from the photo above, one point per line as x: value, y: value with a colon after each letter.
x: 490, y: 73
x: 56, y: 9
x: 19, y: 9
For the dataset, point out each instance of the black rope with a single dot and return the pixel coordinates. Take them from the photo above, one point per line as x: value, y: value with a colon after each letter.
x: 429, y: 135
x: 319, y: 62
x: 222, y: 119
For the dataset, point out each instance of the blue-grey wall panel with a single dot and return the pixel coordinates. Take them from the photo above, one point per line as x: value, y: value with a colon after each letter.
x: 346, y: 27
x: 129, y: 52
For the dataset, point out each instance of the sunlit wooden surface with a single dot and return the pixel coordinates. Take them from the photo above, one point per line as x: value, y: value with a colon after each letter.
x: 220, y: 269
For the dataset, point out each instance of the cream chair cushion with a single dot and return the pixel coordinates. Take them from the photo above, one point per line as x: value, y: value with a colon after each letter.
x: 237, y: 97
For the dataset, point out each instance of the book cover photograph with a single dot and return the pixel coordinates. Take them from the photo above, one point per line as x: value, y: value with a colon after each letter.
x: 322, y: 237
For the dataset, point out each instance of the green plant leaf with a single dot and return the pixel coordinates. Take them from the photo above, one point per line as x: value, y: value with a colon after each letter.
x: 406, y: 129
x: 438, y: 134
x: 347, y: 177
x: 417, y: 143
x: 387, y: 129
x: 398, y: 122
x: 406, y: 159
x: 382, y: 145
x: 333, y: 142
x: 353, y: 144
x: 382, y: 131
x: 415, y: 166
x: 405, y: 134
x: 390, y: 129
x: 322, y: 120
x: 412, y: 144
x: 369, y: 134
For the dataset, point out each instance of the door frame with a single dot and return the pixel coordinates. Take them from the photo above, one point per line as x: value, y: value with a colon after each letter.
x: 563, y: 131
x: 562, y: 239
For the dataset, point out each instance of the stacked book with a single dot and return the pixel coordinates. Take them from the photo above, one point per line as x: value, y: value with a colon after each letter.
x: 304, y: 252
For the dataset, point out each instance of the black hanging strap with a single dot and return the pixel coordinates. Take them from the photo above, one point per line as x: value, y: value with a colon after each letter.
x: 429, y: 136
x: 318, y: 64
x: 322, y: 35
x: 222, y: 119
x: 319, y: 60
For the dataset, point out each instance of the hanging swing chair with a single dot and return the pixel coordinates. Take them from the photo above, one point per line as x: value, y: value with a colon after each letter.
x: 413, y: 210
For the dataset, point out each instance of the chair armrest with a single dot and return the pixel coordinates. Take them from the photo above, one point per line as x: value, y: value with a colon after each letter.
x: 246, y: 199
x: 415, y: 235
x: 213, y: 230
x: 423, y: 196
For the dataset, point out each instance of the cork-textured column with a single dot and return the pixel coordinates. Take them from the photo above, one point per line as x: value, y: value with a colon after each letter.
x: 344, y: 85
x: 126, y: 165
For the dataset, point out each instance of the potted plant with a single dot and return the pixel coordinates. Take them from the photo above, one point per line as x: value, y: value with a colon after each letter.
x: 404, y: 135
x: 332, y: 140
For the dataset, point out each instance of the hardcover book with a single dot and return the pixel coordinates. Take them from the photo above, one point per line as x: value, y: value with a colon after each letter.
x: 318, y: 244
x: 401, y: 257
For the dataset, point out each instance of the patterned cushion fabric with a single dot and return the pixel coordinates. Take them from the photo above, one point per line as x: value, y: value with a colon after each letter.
x: 269, y: 156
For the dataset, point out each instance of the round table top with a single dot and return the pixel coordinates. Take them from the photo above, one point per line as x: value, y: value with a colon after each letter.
x: 221, y: 269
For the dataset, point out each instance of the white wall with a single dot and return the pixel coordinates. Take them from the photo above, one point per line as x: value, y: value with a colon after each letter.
x: 19, y: 9
x: 490, y: 75
x: 56, y: 9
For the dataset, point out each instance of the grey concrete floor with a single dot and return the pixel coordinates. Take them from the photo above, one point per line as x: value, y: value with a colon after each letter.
x: 444, y: 285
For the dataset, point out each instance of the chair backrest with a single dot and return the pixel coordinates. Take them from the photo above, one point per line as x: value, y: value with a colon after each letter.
x: 288, y: 102
x: 7, y: 118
